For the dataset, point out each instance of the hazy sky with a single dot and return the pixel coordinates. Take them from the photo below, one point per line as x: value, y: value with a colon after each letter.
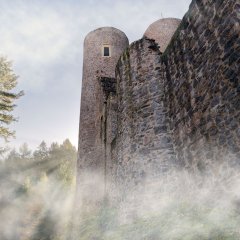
x: 44, y: 39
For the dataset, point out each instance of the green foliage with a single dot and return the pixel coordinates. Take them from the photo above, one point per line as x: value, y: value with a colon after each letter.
x: 35, y: 189
x: 56, y: 162
x: 66, y: 171
x: 42, y: 152
x: 46, y: 228
x: 26, y: 186
x: 24, y: 151
x: 8, y: 81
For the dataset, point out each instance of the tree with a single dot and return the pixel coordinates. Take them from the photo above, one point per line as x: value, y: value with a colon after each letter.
x: 54, y: 149
x: 68, y: 158
x: 8, y: 81
x: 67, y: 146
x: 12, y: 159
x: 42, y: 152
x: 24, y: 151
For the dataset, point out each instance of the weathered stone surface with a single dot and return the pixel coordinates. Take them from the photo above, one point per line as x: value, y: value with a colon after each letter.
x: 162, y: 31
x: 176, y: 109
x: 182, y: 105
x: 203, y: 82
x: 97, y: 84
x: 142, y: 117
x: 108, y: 85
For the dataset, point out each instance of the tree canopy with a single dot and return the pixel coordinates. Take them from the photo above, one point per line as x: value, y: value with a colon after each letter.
x: 8, y: 81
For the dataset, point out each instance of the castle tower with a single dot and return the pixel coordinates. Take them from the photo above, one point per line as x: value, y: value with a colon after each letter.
x: 162, y: 31
x: 102, y: 49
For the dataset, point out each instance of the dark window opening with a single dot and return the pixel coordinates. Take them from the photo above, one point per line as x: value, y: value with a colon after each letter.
x: 106, y: 51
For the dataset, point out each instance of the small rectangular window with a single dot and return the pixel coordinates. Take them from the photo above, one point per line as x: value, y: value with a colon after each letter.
x: 106, y: 51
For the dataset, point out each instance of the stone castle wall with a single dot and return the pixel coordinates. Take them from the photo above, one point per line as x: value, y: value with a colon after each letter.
x: 162, y: 111
x: 143, y: 124
x: 202, y: 64
x: 181, y: 108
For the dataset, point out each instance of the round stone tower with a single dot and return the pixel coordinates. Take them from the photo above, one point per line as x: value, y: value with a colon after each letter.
x: 162, y: 31
x: 102, y: 49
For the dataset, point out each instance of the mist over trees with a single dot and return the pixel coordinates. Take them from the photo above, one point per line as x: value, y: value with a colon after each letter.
x: 36, y: 187
x: 56, y: 161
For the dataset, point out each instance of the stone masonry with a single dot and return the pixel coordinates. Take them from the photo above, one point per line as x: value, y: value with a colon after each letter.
x: 162, y: 31
x: 159, y: 111
x: 98, y: 72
